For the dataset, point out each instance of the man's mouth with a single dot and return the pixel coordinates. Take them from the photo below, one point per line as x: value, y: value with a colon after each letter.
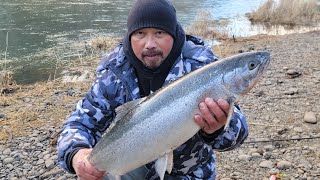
x: 151, y: 53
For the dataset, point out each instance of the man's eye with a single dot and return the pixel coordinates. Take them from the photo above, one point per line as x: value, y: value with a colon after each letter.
x: 138, y: 34
x: 161, y: 33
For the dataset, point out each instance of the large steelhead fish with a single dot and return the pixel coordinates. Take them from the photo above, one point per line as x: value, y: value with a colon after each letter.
x: 151, y: 128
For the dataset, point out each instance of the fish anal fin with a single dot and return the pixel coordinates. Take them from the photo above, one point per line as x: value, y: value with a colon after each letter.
x: 163, y: 164
x: 170, y: 162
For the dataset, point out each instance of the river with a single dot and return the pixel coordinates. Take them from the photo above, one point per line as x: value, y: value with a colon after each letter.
x: 34, y: 33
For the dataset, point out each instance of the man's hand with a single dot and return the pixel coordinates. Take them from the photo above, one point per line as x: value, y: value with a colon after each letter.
x: 83, y: 168
x: 213, y: 115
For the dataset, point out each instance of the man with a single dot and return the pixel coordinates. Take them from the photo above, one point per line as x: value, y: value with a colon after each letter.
x: 154, y: 52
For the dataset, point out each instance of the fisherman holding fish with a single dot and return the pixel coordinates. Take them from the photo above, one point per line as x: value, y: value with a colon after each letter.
x: 155, y: 52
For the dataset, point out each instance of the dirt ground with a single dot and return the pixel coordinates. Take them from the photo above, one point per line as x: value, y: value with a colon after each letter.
x: 282, y: 112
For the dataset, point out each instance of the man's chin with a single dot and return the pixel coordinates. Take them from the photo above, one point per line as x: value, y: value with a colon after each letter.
x: 152, y: 66
x: 152, y: 63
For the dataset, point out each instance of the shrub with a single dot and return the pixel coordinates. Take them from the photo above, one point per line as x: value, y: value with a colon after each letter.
x: 287, y: 12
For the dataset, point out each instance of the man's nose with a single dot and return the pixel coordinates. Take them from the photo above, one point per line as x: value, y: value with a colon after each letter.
x: 150, y: 43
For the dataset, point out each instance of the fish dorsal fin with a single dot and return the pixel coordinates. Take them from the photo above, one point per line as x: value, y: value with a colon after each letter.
x: 123, y: 110
x: 126, y: 108
x: 163, y: 164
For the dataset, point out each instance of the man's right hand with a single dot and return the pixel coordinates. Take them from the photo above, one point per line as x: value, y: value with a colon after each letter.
x: 83, y: 168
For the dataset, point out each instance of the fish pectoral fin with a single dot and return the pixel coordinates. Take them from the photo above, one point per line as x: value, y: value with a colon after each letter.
x: 230, y: 113
x: 163, y: 164
x: 170, y: 162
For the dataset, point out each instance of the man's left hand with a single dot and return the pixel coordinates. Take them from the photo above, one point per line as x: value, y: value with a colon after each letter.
x: 213, y: 115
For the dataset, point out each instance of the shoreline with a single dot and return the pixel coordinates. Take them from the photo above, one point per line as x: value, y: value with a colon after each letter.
x: 31, y: 115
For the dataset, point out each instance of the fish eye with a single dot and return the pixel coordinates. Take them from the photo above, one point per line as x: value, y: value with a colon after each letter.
x: 252, y: 65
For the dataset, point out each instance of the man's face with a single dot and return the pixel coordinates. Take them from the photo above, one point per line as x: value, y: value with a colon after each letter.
x: 151, y: 46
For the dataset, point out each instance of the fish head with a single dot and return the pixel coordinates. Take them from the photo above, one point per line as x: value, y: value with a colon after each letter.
x: 244, y: 71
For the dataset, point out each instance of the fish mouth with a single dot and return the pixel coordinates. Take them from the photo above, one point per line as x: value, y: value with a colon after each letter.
x: 265, y: 62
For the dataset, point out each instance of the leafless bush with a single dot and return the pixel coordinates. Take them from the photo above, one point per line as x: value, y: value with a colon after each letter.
x: 205, y: 27
x: 287, y: 12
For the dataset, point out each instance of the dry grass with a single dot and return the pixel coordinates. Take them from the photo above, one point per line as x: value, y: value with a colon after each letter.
x: 287, y: 12
x: 101, y: 43
x: 205, y: 27
x: 45, y: 104
x: 6, y: 78
x: 38, y: 105
x: 243, y: 44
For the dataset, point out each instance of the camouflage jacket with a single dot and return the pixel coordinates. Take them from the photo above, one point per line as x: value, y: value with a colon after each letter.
x: 116, y: 84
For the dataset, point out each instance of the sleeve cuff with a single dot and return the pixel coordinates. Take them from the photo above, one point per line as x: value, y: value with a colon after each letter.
x: 70, y: 157
x: 209, y: 138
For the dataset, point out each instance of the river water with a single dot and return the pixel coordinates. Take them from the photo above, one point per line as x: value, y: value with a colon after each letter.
x: 34, y: 33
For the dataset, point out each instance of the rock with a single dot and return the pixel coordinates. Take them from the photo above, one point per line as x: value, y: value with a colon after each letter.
x: 310, y: 117
x: 266, y: 164
x: 8, y: 160
x: 269, y: 148
x: 49, y: 163
x: 273, y: 171
x: 291, y: 91
x: 54, y: 171
x: 245, y: 157
x: 6, y: 151
x: 27, y: 100
x: 27, y: 166
x: 284, y: 165
x: 62, y: 178
x: 267, y: 155
x: 291, y: 73
x: 300, y: 171
x: 46, y: 157
x: 10, y: 166
x: 256, y: 155
x: 2, y: 116
x: 40, y: 161
x: 298, y: 129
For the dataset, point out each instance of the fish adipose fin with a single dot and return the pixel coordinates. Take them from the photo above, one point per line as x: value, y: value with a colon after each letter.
x: 163, y: 164
x: 230, y: 112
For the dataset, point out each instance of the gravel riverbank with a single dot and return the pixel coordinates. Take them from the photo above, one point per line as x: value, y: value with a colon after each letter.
x: 282, y: 111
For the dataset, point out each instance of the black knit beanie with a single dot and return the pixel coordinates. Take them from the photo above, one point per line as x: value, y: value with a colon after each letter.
x: 152, y: 14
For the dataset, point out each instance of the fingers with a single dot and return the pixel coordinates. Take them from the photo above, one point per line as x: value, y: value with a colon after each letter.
x: 87, y: 173
x: 215, y: 109
x: 83, y: 168
x: 199, y: 120
x: 213, y: 114
x: 224, y: 105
